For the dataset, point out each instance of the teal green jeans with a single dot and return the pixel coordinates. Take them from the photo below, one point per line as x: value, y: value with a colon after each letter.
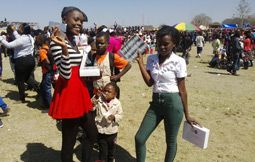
x: 167, y: 107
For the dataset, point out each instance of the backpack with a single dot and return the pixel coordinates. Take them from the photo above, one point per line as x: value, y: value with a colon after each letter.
x: 114, y: 70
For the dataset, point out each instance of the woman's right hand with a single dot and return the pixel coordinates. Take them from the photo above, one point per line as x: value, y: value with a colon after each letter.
x: 139, y: 57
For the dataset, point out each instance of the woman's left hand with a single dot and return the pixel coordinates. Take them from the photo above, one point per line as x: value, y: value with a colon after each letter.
x: 139, y: 57
x: 192, y: 121
x: 56, y: 38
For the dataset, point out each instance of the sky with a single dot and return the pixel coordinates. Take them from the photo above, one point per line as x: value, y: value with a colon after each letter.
x: 124, y: 12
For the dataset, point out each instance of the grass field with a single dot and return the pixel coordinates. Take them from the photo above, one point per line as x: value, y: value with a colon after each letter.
x: 221, y: 102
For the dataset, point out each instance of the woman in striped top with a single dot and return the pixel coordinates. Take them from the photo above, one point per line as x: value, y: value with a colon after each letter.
x: 71, y: 101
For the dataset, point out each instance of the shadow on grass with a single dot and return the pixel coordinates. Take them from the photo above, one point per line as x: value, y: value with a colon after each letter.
x: 9, y: 81
x: 36, y: 102
x: 121, y: 155
x: 38, y: 152
x: 217, y: 73
x: 12, y: 95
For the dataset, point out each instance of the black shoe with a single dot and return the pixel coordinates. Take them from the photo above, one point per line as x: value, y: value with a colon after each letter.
x: 235, y: 74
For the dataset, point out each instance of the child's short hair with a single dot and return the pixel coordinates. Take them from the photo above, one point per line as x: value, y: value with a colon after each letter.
x: 114, y: 85
x: 105, y: 34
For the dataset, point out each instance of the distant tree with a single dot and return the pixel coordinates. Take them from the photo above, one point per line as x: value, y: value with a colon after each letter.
x: 243, y: 10
x: 251, y: 19
x: 201, y: 19
x: 234, y: 20
x: 215, y: 25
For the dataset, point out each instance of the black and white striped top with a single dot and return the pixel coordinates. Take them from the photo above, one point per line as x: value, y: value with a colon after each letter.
x: 64, y: 63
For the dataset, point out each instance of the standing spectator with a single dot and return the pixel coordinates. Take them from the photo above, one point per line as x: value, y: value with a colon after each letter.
x: 1, y: 63
x: 216, y: 58
x: 71, y: 101
x: 247, y: 50
x: 23, y: 57
x: 108, y: 115
x: 103, y: 59
x: 46, y: 62
x: 186, y: 44
x: 236, y: 51
x: 166, y: 72
x: 200, y: 41
x: 2, y: 50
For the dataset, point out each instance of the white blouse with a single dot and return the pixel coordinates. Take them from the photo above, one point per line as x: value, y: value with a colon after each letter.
x: 165, y: 75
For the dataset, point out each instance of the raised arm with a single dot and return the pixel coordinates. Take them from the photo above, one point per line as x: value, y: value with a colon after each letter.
x: 146, y: 74
x: 59, y: 48
x: 61, y: 60
x: 13, y: 44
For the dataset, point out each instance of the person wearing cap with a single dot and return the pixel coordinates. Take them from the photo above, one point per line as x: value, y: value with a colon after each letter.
x: 71, y: 100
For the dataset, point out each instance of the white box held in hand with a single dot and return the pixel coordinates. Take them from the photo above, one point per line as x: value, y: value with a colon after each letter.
x: 87, y: 71
x: 196, y: 135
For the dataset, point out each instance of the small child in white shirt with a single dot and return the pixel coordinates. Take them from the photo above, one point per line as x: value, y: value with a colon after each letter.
x: 108, y: 115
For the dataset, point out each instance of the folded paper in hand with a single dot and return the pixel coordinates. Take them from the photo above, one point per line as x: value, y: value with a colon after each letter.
x: 131, y: 47
x: 87, y: 71
x: 196, y: 135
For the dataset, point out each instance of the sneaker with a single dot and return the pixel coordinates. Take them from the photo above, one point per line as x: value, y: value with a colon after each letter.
x: 5, y: 112
x: 1, y: 123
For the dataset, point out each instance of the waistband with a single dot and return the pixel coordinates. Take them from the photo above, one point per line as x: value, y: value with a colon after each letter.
x: 24, y: 56
x: 163, y: 97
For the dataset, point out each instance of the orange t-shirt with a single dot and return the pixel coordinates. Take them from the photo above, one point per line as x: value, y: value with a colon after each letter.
x: 119, y: 62
x: 43, y: 55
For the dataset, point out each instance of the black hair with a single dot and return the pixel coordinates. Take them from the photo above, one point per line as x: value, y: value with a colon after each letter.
x: 69, y: 9
x: 101, y: 28
x: 247, y: 34
x: 105, y: 34
x: 237, y: 33
x: 171, y: 31
x: 114, y: 85
x: 42, y: 39
x: 26, y: 28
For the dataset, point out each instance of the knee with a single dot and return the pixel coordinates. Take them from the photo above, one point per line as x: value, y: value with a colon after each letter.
x: 139, y: 140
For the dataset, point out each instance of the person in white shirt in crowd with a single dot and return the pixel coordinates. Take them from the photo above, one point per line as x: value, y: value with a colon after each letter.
x: 24, y: 61
x: 108, y: 115
x: 83, y: 39
x: 166, y: 72
x: 200, y: 41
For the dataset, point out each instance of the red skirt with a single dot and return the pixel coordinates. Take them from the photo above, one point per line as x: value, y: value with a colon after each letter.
x: 71, y: 97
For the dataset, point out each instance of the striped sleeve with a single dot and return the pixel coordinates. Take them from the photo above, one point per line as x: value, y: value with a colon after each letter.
x: 62, y: 61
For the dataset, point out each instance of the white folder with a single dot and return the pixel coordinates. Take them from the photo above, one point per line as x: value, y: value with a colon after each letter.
x: 196, y: 135
x: 87, y: 71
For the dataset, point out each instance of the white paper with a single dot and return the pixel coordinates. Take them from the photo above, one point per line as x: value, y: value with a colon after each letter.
x: 196, y: 135
x: 88, y: 71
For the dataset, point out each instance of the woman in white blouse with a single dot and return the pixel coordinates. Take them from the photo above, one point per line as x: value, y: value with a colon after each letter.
x: 166, y: 72
x: 24, y: 61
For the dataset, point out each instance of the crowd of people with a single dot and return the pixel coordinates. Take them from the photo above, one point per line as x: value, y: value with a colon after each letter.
x: 93, y: 103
